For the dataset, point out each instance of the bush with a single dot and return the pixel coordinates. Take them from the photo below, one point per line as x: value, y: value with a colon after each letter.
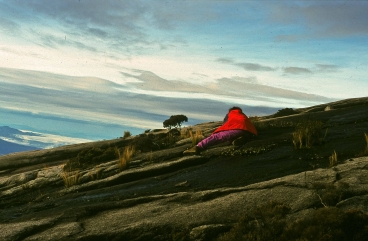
x: 127, y: 134
x: 285, y: 112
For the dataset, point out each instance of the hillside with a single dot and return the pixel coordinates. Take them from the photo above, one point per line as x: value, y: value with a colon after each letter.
x: 274, y: 186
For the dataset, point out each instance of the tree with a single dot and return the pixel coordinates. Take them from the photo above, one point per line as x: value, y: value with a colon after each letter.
x: 175, y: 121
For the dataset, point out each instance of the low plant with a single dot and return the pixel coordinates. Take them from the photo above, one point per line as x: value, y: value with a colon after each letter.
x: 307, y: 134
x: 196, y: 136
x: 270, y: 222
x: 127, y: 134
x: 95, y: 174
x: 70, y: 178
x: 250, y: 151
x: 90, y: 157
x: 364, y: 152
x: 333, y: 159
x: 124, y: 158
x: 331, y: 194
x: 267, y: 222
x: 258, y: 124
x: 285, y: 112
x: 265, y: 124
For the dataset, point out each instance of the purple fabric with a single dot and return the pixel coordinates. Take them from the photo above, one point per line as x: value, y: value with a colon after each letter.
x: 220, y: 137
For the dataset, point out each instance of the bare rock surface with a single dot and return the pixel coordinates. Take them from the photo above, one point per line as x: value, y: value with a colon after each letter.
x: 162, y: 195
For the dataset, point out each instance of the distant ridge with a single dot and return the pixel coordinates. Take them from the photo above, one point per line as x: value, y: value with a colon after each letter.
x: 9, y: 147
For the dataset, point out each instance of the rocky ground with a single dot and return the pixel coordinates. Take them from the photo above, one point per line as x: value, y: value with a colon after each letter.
x: 79, y: 192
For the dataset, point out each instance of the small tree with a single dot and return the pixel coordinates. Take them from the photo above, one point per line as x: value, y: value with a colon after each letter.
x: 175, y: 121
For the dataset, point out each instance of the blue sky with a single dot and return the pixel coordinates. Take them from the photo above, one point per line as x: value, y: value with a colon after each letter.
x: 129, y: 65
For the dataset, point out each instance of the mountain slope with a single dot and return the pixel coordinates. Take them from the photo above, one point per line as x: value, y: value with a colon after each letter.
x: 78, y: 192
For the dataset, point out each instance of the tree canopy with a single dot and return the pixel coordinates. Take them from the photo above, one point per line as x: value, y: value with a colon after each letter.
x: 175, y: 121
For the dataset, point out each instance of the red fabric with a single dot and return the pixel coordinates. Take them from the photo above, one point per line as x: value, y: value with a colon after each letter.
x: 237, y: 121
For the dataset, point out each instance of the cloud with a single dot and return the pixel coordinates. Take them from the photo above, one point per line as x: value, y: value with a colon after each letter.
x: 319, y: 68
x: 98, y: 99
x: 246, y: 66
x: 225, y: 60
x: 296, y: 70
x: 320, y: 19
x: 237, y: 89
x: 327, y: 68
x: 249, y: 90
x: 254, y: 67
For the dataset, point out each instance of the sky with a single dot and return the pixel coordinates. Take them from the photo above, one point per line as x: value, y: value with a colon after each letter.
x: 94, y: 69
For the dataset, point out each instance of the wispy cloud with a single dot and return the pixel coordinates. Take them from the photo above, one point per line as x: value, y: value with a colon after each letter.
x: 296, y: 70
x: 318, y: 68
x: 246, y: 66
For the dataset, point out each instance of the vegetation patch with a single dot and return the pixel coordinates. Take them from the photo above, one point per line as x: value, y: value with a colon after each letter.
x: 285, y: 112
x: 124, y: 158
x: 250, y: 151
x: 70, y: 178
x: 175, y: 121
x: 333, y: 159
x: 145, y: 143
x: 196, y: 136
x: 269, y: 222
x: 307, y: 134
x: 90, y: 157
x: 330, y: 194
x: 127, y: 134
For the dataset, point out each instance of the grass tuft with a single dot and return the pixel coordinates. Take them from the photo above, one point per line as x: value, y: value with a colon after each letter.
x: 70, y: 178
x: 307, y: 134
x: 124, y: 158
x: 95, y: 174
x: 196, y: 136
x: 333, y: 159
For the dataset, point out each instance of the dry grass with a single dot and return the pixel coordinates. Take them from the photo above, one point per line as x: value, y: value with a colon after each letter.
x: 70, y: 178
x: 196, y: 136
x: 124, y: 158
x: 307, y: 134
x: 95, y: 174
x: 333, y: 159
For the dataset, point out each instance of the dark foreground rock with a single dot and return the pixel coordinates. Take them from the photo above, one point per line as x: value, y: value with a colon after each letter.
x: 163, y: 195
